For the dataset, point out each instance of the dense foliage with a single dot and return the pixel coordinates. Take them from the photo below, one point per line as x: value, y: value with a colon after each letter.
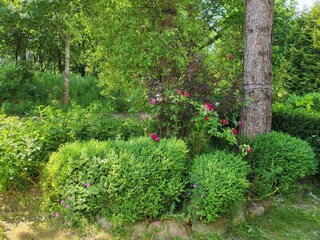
x: 27, y: 143
x: 218, y: 180
x: 278, y: 160
x: 19, y: 154
x: 122, y: 180
x: 300, y: 117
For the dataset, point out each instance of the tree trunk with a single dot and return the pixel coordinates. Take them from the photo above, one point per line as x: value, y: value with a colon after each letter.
x: 66, y: 70
x: 257, y: 73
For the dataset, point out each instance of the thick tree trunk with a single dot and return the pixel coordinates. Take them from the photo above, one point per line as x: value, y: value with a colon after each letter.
x: 66, y: 70
x: 257, y: 74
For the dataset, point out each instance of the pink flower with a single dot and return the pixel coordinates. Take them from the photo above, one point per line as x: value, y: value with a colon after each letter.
x: 57, y: 215
x: 186, y: 94
x: 206, y: 118
x: 224, y: 121
x: 155, y: 137
x: 65, y: 223
x: 69, y: 198
x: 240, y: 123
x: 153, y: 101
x: 179, y: 91
x: 87, y: 184
x: 230, y: 56
x: 62, y: 201
x: 249, y: 150
x: 234, y: 131
x: 68, y: 206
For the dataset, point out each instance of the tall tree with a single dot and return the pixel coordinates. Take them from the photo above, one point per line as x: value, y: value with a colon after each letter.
x: 257, y: 73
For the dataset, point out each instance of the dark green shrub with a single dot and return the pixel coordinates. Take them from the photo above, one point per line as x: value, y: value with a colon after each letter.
x: 217, y: 181
x: 17, y: 109
x: 298, y: 123
x: 19, y: 151
x: 17, y: 82
x: 278, y: 160
x: 129, y: 180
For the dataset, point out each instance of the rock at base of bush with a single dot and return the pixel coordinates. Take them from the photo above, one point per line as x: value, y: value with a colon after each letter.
x: 104, y: 223
x: 168, y: 229
x: 238, y: 218
x: 219, y: 226
x: 255, y: 210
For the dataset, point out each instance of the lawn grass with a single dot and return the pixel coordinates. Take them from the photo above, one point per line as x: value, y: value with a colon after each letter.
x: 295, y: 217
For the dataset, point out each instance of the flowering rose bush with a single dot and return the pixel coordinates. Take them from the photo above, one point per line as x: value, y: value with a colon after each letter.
x: 177, y: 114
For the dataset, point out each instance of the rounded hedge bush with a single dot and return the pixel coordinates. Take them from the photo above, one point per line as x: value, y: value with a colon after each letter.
x: 217, y: 181
x: 278, y: 160
x: 122, y: 180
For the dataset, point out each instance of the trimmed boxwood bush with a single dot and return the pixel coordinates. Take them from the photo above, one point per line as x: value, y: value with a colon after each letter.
x: 278, y: 160
x: 298, y: 123
x: 129, y: 180
x: 217, y: 181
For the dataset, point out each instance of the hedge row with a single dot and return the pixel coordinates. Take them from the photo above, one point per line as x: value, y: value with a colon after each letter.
x: 299, y: 123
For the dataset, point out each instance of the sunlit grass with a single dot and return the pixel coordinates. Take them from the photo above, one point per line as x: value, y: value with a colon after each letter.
x: 296, y: 218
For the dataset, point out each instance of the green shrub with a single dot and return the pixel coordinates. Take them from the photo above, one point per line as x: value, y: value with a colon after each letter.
x: 129, y: 180
x: 278, y: 160
x: 19, y: 151
x: 308, y: 102
x: 217, y: 181
x: 17, y: 82
x: 26, y: 143
x: 298, y: 123
x: 17, y: 109
x: 83, y: 90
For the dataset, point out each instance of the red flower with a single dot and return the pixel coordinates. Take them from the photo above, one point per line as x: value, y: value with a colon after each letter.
x: 240, y: 123
x: 208, y: 106
x: 155, y: 137
x: 249, y: 150
x: 206, y: 118
x: 230, y: 56
x: 186, y: 94
x: 224, y: 121
x: 179, y: 91
x: 234, y: 131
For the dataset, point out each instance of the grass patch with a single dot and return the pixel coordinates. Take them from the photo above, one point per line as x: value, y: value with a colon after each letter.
x: 297, y: 217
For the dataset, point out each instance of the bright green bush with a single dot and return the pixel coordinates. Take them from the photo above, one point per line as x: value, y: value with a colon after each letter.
x: 19, y: 154
x: 217, y: 180
x: 129, y: 180
x: 278, y: 160
x: 308, y: 102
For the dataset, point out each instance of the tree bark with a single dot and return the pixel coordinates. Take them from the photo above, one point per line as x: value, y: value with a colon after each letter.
x: 257, y: 74
x: 66, y: 70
